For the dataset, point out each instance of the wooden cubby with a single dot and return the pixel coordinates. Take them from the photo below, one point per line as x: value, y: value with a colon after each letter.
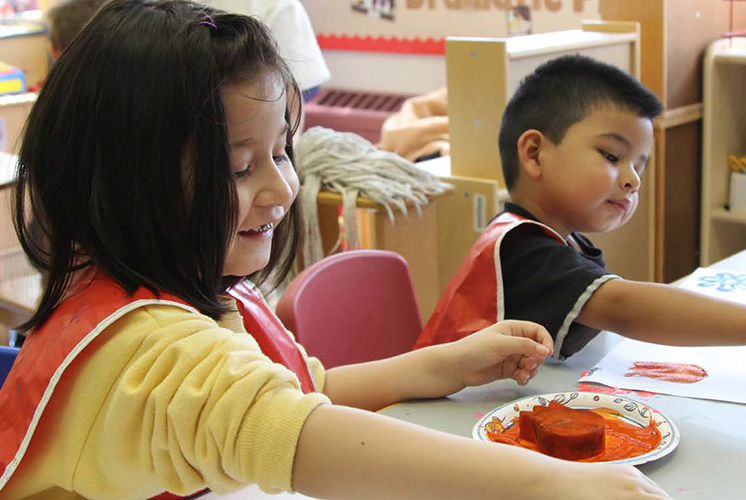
x: 723, y: 232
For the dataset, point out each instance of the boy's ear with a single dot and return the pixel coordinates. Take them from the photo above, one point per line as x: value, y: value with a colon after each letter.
x: 54, y: 52
x: 530, y: 144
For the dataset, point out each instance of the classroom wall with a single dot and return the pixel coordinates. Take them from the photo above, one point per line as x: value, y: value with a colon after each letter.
x: 394, y: 67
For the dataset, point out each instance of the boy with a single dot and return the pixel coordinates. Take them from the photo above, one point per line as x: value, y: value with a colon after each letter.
x: 65, y: 19
x: 574, y: 141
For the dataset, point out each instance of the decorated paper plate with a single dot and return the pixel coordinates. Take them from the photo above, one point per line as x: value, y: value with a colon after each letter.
x: 631, y: 411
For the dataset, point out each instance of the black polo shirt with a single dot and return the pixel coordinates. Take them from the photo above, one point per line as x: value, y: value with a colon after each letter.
x: 548, y: 283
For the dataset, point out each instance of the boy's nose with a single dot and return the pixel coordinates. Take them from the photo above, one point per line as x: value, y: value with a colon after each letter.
x: 631, y: 179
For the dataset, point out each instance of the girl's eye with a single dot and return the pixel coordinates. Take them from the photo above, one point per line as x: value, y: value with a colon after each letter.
x: 610, y: 157
x: 280, y: 159
x: 242, y: 173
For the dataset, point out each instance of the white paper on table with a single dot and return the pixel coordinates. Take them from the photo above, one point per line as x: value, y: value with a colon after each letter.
x: 718, y: 283
x: 725, y: 366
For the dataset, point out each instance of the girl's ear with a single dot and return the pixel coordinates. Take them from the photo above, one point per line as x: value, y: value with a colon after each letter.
x: 530, y: 145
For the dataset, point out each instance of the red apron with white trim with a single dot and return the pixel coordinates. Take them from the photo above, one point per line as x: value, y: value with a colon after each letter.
x: 472, y: 299
x: 51, y: 349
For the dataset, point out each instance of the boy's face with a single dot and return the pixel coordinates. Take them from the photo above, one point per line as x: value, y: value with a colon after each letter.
x: 591, y: 180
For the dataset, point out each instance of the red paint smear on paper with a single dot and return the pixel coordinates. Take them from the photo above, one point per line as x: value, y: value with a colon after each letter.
x: 680, y: 373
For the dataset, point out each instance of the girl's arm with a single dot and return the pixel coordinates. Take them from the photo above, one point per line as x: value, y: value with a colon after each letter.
x: 664, y: 314
x: 352, y: 454
x: 510, y: 349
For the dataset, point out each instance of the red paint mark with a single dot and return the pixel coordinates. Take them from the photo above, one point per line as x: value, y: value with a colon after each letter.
x: 680, y: 373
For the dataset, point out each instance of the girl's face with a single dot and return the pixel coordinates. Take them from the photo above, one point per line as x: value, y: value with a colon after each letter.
x: 265, y: 179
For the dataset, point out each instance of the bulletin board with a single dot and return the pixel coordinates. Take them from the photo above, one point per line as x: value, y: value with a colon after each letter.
x: 420, y: 26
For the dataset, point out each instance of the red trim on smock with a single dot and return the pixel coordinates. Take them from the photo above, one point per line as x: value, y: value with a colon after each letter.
x: 473, y: 298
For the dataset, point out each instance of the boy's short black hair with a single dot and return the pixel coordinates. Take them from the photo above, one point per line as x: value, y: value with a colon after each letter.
x: 67, y: 18
x: 125, y: 160
x: 560, y: 93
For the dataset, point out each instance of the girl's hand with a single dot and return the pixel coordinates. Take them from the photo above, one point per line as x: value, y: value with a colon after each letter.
x: 597, y: 480
x: 509, y: 349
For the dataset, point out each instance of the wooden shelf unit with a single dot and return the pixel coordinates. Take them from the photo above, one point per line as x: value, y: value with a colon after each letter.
x: 723, y: 132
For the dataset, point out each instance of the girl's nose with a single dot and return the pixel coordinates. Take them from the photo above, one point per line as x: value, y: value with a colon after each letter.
x: 279, y: 184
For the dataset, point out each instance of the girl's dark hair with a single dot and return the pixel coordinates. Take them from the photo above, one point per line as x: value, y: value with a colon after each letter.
x: 125, y: 162
x: 560, y: 93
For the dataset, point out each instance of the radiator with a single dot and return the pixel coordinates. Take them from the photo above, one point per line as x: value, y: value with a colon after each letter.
x: 360, y: 112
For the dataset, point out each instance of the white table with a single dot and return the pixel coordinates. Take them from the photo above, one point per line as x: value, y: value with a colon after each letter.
x: 709, y: 463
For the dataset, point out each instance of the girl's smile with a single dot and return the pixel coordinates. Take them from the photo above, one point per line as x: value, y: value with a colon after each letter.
x: 265, y: 180
x: 263, y: 231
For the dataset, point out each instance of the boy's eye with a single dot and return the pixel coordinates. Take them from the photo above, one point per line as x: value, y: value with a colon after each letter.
x: 609, y: 156
x: 280, y: 158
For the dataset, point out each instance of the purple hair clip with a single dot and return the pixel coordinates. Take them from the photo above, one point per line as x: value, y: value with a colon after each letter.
x: 208, y: 21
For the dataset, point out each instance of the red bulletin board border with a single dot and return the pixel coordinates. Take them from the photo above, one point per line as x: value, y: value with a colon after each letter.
x: 394, y: 45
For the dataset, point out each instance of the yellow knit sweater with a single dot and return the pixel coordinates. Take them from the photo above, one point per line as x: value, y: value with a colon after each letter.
x: 171, y: 400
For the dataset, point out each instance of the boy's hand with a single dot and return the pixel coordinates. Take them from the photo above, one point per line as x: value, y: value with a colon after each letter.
x: 509, y: 349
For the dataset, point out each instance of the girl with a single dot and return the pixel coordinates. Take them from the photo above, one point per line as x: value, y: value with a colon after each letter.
x: 157, y: 160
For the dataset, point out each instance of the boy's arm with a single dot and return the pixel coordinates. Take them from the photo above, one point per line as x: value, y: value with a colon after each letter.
x: 510, y: 349
x: 664, y: 314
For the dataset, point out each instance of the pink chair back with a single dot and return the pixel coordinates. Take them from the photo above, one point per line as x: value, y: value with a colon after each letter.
x: 352, y: 307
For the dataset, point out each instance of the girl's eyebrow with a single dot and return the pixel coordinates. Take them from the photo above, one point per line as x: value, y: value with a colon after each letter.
x: 252, y: 140
x: 243, y: 142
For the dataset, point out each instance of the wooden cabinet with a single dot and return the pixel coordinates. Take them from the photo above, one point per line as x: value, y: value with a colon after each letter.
x: 723, y: 133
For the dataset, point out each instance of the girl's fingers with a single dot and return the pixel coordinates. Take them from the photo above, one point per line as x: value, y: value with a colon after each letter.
x: 507, y: 346
x: 532, y: 331
x: 529, y: 363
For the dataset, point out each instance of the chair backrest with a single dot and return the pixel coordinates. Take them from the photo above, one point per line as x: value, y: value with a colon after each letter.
x: 352, y: 307
x: 7, y: 357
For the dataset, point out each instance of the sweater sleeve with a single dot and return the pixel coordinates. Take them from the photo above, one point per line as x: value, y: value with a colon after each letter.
x: 188, y: 405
